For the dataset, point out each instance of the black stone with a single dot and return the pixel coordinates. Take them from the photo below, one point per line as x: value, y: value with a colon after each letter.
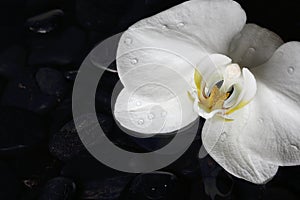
x: 108, y: 189
x: 61, y: 49
x: 87, y: 168
x: 45, y: 22
x: 59, y: 188
x: 51, y: 81
x: 9, y: 185
x: 99, y: 15
x: 188, y: 165
x: 12, y: 60
x: 246, y: 190
x: 217, y: 183
x: 65, y: 144
x: 23, y: 92
x: 155, y: 186
x: 19, y: 130
x: 279, y: 193
x: 71, y: 75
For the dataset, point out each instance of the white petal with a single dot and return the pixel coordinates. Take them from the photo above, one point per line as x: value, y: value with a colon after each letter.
x: 282, y: 71
x: 253, y: 46
x: 224, y: 142
x: 263, y: 135
x: 138, y: 113
x: 178, y: 38
x: 272, y: 131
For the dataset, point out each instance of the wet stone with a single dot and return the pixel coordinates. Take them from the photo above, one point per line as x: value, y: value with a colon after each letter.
x: 156, y: 185
x: 61, y: 49
x: 45, y: 22
x: 71, y: 75
x: 86, y: 168
x: 23, y: 92
x: 19, y: 130
x: 246, y: 190
x: 279, y: 193
x: 10, y: 186
x: 12, y: 61
x: 99, y: 15
x: 108, y: 189
x: 59, y: 188
x: 51, y: 81
x: 66, y: 143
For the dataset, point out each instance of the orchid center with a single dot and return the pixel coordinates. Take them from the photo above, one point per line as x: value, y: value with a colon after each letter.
x: 222, y: 90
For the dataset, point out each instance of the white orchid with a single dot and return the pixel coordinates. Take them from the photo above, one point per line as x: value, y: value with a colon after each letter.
x: 245, y: 82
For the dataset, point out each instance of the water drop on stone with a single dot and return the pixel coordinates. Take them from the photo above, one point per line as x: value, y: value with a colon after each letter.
x: 291, y: 70
x: 134, y: 61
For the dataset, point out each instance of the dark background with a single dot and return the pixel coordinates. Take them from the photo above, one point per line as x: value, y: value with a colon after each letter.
x: 42, y: 44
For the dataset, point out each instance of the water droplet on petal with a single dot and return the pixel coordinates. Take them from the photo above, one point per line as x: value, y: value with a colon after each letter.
x: 151, y: 116
x: 141, y: 122
x: 295, y: 147
x: 251, y: 50
x: 134, y: 61
x: 223, y: 136
x: 138, y: 103
x: 164, y: 26
x: 181, y: 24
x: 163, y: 114
x: 280, y: 53
x: 291, y: 70
x: 128, y: 41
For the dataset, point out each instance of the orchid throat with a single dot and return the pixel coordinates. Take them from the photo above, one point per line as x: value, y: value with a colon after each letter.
x: 224, y: 91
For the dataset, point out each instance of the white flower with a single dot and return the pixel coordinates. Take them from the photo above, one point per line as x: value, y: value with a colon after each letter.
x: 253, y: 124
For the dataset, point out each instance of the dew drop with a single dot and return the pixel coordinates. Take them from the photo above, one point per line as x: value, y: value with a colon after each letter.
x: 164, y: 26
x: 141, y: 122
x: 153, y: 189
x: 151, y: 116
x: 134, y: 61
x: 294, y: 147
x: 165, y: 186
x: 138, y: 103
x: 128, y: 41
x: 291, y: 70
x: 223, y: 136
x: 163, y: 114
x: 181, y: 24
x: 251, y: 50
x: 280, y: 53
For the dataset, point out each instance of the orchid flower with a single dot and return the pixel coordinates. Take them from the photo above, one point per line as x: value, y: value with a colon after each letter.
x: 200, y: 58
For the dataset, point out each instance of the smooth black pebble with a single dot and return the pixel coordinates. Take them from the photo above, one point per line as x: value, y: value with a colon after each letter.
x: 9, y: 185
x: 19, y: 130
x: 45, y: 22
x: 51, y: 81
x: 59, y: 188
x: 154, y: 186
